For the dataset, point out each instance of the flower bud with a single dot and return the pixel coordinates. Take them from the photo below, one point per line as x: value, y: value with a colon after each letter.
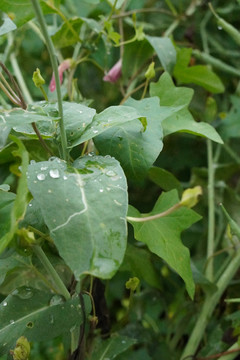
x: 22, y: 349
x: 132, y: 283
x: 38, y: 79
x: 150, y: 73
x: 190, y: 196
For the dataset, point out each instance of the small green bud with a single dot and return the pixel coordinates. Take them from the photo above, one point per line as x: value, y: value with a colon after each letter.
x: 38, y: 79
x: 132, y: 283
x: 190, y: 196
x: 22, y: 349
x: 150, y: 73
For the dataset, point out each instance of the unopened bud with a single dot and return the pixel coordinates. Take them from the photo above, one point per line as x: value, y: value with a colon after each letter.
x: 132, y: 283
x: 150, y: 73
x: 190, y: 196
x: 22, y: 349
x: 38, y: 79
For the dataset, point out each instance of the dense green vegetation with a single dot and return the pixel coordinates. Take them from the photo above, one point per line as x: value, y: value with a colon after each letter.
x: 117, y: 118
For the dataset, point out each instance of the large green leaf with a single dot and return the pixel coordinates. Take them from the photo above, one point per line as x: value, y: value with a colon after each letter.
x: 139, y: 262
x: 230, y: 125
x: 131, y: 143
x: 108, y: 118
x: 6, y: 204
x: 165, y: 51
x: 85, y: 210
x: 21, y: 11
x: 37, y: 315
x: 181, y: 121
x: 136, y: 54
x: 199, y: 74
x: 68, y: 34
x: 162, y: 235
x: 111, y: 348
x: 7, y: 24
x: 20, y: 202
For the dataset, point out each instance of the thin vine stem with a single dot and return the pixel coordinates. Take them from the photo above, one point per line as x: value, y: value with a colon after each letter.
x: 211, y: 212
x: 51, y: 50
x: 154, y: 217
x: 50, y: 269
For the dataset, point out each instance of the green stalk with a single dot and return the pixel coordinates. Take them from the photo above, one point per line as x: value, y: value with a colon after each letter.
x: 232, y: 352
x: 208, y: 307
x: 216, y: 63
x: 51, y: 50
x: 50, y: 269
x: 211, y: 212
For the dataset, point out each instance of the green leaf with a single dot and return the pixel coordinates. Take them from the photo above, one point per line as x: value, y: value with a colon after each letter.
x: 20, y: 202
x: 139, y: 262
x: 67, y: 35
x: 6, y: 205
x: 108, y: 118
x: 11, y: 262
x: 111, y: 348
x: 85, y: 210
x: 162, y: 236
x: 21, y: 11
x: 7, y: 25
x: 181, y: 121
x: 130, y: 145
x: 165, y: 51
x: 37, y: 315
x: 230, y: 125
x: 199, y: 74
x: 136, y: 54
x: 163, y: 178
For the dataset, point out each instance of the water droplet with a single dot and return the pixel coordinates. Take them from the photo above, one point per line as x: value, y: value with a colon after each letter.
x: 108, y: 189
x: 65, y: 177
x: 219, y: 27
x: 54, y: 173
x: 4, y: 303
x: 11, y: 321
x: 49, y: 191
x: 101, y: 190
x: 80, y: 111
x: 32, y: 162
x: 30, y: 205
x: 41, y: 176
x: 111, y: 173
x: 123, y: 342
x: 56, y: 300
x: 24, y: 293
x: 95, y: 131
x: 51, y: 319
x: 43, y: 168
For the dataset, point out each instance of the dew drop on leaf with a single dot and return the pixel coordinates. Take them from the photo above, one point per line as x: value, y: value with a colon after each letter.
x: 11, y: 322
x: 56, y: 300
x: 25, y: 293
x: 41, y: 176
x: 4, y: 303
x: 54, y: 173
x: 110, y: 173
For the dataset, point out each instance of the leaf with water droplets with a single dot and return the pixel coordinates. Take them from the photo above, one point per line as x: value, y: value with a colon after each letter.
x: 85, y: 208
x: 112, y: 347
x: 38, y: 315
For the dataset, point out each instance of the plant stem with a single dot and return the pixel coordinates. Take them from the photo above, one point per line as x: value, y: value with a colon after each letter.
x: 51, y: 50
x: 209, y: 306
x: 154, y: 217
x: 50, y: 269
x: 20, y: 79
x: 211, y: 212
x: 171, y: 28
x: 232, y: 352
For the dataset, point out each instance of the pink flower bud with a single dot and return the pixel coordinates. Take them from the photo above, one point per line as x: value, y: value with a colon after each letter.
x: 114, y: 73
x: 62, y: 67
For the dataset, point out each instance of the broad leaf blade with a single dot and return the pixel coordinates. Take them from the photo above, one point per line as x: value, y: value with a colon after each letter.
x: 85, y: 210
x: 37, y: 315
x: 111, y: 348
x: 165, y: 51
x: 20, y: 202
x: 108, y: 118
x: 131, y: 144
x: 162, y: 235
x: 182, y: 120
